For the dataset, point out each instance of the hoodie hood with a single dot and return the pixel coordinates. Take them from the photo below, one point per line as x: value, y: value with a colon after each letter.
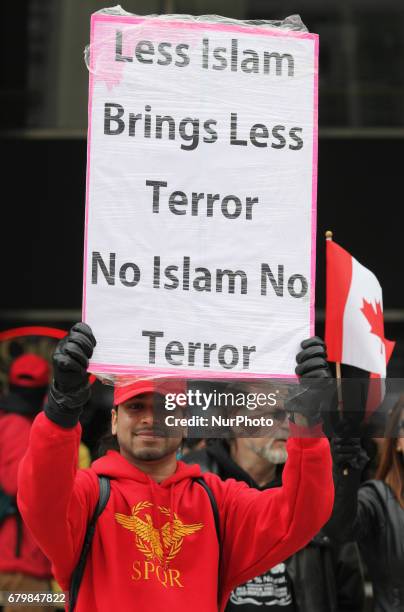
x: 219, y: 451
x: 117, y: 467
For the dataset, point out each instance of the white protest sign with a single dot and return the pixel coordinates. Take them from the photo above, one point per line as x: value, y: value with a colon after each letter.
x: 201, y: 196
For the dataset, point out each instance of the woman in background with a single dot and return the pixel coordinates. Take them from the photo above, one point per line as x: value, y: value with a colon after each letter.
x: 378, y: 525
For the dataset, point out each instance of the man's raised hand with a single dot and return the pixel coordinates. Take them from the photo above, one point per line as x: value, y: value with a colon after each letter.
x: 71, y: 357
x: 312, y: 360
x: 70, y: 389
x: 306, y: 406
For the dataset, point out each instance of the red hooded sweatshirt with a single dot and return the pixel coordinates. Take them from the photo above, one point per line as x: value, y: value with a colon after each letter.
x: 155, y: 546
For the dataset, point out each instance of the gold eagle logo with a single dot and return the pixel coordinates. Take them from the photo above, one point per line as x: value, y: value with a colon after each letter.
x: 157, y: 545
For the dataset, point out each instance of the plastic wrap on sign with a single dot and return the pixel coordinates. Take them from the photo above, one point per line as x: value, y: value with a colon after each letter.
x: 199, y: 258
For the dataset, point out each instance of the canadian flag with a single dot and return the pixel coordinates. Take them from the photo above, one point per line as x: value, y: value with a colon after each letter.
x: 354, y: 331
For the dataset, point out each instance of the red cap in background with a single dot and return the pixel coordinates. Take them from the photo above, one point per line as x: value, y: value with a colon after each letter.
x: 29, y: 371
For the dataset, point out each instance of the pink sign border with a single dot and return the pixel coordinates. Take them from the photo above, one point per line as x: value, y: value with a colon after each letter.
x: 100, y: 368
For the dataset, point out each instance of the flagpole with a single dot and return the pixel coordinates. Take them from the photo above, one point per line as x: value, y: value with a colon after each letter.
x: 328, y: 236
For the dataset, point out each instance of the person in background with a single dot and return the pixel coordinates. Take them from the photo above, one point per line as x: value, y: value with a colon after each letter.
x: 23, y: 566
x: 374, y: 516
x: 322, y: 577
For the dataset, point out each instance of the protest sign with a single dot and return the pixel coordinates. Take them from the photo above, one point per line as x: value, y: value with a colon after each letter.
x: 201, y: 196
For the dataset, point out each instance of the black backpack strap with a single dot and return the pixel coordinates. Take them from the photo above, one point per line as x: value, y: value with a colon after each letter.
x: 216, y: 517
x: 78, y: 571
x: 213, y: 503
x: 18, y: 542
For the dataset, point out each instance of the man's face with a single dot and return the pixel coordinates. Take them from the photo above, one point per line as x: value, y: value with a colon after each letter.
x: 138, y: 424
x: 272, y: 448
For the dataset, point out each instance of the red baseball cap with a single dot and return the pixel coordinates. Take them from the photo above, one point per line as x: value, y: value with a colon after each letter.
x: 163, y: 386
x: 29, y: 371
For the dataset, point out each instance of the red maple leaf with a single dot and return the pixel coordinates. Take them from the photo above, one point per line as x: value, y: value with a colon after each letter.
x: 374, y: 318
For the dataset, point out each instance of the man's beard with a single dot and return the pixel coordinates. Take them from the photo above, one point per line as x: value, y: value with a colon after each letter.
x: 277, y: 456
x: 151, y: 454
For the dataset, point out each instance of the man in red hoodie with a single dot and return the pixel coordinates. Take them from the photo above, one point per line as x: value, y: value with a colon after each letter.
x: 23, y: 566
x: 155, y: 546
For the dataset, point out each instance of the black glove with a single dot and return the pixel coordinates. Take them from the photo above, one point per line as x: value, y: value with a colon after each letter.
x: 348, y: 452
x: 311, y: 363
x: 70, y: 389
x: 312, y: 360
